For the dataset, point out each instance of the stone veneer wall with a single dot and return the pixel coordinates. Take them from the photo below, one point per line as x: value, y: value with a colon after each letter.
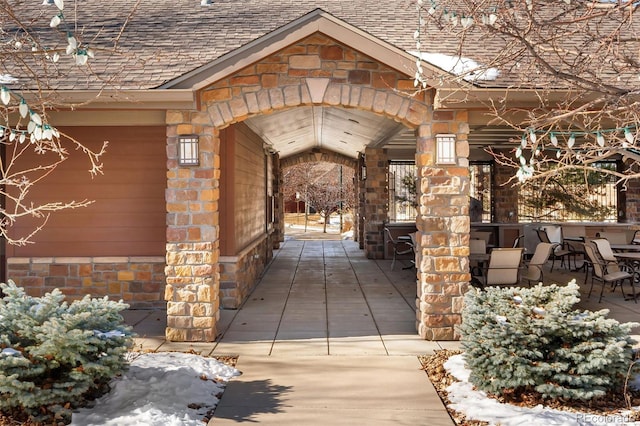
x: 139, y: 281
x: 239, y: 274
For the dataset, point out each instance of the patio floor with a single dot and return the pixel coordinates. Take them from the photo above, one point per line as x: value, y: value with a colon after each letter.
x: 620, y: 309
x: 340, y: 291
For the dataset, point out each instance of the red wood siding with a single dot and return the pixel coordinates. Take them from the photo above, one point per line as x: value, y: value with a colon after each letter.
x: 128, y: 216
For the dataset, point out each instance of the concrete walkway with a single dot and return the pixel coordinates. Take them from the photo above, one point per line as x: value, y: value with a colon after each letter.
x: 326, y: 338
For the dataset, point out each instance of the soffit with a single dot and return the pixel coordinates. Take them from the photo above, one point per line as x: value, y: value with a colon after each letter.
x: 350, y: 131
x: 344, y: 131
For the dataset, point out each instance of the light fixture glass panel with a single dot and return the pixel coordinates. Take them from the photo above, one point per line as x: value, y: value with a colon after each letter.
x: 188, y: 152
x: 445, y: 149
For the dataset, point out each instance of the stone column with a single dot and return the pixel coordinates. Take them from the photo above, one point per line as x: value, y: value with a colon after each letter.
x: 360, y: 197
x: 376, y: 201
x: 278, y: 235
x: 628, y: 197
x: 505, y: 197
x: 192, y: 234
x: 443, y: 228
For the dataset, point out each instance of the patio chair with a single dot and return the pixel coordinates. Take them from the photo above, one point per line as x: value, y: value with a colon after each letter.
x: 608, y: 272
x: 559, y: 251
x: 477, y: 246
x: 614, y: 237
x: 517, y: 242
x: 504, y: 268
x: 481, y: 235
x: 478, y: 255
x: 399, y: 247
x: 534, y: 271
x: 604, y: 249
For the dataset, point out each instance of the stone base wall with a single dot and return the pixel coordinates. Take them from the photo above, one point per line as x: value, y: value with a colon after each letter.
x: 138, y: 281
x: 239, y: 274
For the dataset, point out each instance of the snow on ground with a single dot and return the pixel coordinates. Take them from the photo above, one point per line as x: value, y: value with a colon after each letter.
x: 158, y: 389
x: 477, y: 405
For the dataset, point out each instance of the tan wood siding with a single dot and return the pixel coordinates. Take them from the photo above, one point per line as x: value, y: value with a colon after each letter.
x: 227, y: 207
x: 243, y: 189
x: 250, y: 187
x: 128, y: 216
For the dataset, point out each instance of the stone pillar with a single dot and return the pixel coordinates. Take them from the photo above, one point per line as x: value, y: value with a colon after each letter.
x: 443, y: 228
x: 505, y: 195
x: 628, y: 197
x: 360, y: 197
x: 376, y: 201
x: 192, y: 234
x: 278, y: 181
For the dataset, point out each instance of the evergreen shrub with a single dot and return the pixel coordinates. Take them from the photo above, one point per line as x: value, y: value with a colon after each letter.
x: 518, y: 340
x: 54, y: 354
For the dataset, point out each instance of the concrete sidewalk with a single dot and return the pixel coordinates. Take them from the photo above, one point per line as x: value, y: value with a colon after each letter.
x: 326, y: 337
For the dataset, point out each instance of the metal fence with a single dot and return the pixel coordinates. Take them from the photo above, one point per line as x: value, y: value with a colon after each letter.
x: 480, y: 192
x: 402, y: 192
x: 567, y: 197
x: 571, y: 196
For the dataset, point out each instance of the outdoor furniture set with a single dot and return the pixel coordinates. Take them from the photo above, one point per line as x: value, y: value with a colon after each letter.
x: 611, y: 264
x: 612, y: 259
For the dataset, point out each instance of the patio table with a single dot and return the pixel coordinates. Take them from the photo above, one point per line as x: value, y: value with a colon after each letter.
x: 632, y: 260
x: 625, y: 247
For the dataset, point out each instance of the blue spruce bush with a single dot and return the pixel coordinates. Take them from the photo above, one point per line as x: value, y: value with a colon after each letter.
x: 520, y: 340
x: 53, y: 354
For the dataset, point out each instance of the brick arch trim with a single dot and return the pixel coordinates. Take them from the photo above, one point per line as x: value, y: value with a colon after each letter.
x: 318, y: 155
x: 386, y: 102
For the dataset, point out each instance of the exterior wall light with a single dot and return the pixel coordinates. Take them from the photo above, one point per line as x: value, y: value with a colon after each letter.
x: 188, y: 150
x: 446, y: 149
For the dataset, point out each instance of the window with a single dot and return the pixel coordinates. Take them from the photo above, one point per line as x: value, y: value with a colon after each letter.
x: 480, y: 191
x: 402, y: 191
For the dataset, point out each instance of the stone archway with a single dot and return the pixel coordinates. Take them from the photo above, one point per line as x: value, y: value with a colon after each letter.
x: 315, y: 71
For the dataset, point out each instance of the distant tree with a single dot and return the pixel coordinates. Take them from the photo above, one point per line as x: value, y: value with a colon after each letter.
x: 410, y: 190
x: 571, y: 194
x: 321, y: 187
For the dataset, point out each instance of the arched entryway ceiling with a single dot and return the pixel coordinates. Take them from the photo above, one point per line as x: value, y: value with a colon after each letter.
x: 343, y: 131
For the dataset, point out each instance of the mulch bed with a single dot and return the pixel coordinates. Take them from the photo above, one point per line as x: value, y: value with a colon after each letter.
x: 609, y: 404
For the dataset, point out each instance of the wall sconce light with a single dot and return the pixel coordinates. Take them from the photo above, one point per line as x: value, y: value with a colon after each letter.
x: 188, y: 150
x: 363, y: 172
x: 445, y: 149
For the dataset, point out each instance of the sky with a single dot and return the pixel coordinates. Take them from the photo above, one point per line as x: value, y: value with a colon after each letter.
x: 158, y: 389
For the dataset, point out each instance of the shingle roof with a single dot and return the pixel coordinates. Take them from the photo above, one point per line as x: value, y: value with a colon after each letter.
x: 164, y: 39
x: 161, y: 40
